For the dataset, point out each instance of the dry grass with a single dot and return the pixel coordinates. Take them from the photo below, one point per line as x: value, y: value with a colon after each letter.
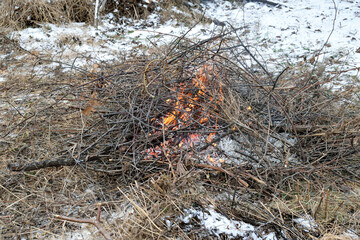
x: 17, y: 14
x: 134, y: 9
x: 331, y: 204
x: 187, y: 12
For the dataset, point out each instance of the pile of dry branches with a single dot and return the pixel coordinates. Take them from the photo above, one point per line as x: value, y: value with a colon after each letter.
x: 286, y: 125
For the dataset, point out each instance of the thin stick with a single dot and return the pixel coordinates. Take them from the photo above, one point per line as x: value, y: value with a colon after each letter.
x: 318, y: 206
x: 336, y: 210
x: 96, y: 222
x: 298, y: 191
x: 242, y: 182
x: 326, y: 204
x: 96, y: 15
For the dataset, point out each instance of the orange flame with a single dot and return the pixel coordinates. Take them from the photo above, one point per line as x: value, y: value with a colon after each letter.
x: 187, y: 104
x: 190, y: 105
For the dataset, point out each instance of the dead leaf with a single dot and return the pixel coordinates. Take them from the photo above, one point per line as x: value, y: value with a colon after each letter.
x: 36, y: 53
x: 91, y: 105
x: 312, y: 60
x: 88, y: 110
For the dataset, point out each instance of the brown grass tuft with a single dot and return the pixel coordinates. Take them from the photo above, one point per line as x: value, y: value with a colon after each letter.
x: 18, y: 14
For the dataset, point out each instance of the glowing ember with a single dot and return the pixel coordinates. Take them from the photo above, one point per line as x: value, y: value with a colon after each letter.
x: 212, y: 160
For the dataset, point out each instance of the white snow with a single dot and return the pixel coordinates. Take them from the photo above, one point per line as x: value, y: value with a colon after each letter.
x: 350, y: 235
x: 217, y: 224
x: 86, y: 231
x: 307, y: 223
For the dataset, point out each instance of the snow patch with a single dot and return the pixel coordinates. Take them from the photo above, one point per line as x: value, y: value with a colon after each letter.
x: 307, y: 223
x: 217, y: 224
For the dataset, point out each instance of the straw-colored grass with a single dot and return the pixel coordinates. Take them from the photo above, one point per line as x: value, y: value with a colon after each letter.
x: 18, y: 14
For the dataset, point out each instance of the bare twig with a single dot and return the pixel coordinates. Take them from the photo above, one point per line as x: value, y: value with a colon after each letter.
x: 242, y: 182
x: 95, y: 222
